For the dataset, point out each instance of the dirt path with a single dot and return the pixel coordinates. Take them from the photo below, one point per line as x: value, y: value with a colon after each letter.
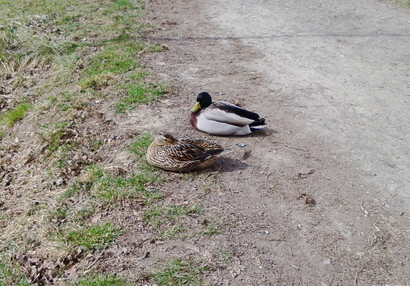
x: 332, y: 80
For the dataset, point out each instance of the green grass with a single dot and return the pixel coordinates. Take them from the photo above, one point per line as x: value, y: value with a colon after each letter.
x: 111, y: 188
x: 10, y: 117
x: 99, y: 188
x: 76, y: 188
x: 100, y: 280
x: 156, y: 48
x: 174, y: 232
x: 404, y: 2
x: 60, y: 143
x: 84, y: 213
x: 100, y: 38
x: 226, y: 256
x: 139, y: 75
x: 210, y: 230
x: 95, y: 144
x: 10, y: 273
x: 180, y: 272
x: 95, y: 237
x: 68, y: 100
x: 139, y: 147
x: 139, y: 93
x: 75, y: 18
x: 113, y: 60
x: 62, y: 56
x: 140, y: 144
x: 210, y: 227
x: 59, y: 214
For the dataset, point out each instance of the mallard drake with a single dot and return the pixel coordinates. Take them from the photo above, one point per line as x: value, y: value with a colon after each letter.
x: 172, y: 154
x: 223, y: 118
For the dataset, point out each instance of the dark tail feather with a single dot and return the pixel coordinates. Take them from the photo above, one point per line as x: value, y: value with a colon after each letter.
x: 258, y: 124
x: 260, y: 121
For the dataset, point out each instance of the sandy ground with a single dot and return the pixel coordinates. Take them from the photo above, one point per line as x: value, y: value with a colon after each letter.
x: 323, y: 196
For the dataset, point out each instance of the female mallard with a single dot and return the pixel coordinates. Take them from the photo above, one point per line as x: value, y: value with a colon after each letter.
x: 223, y: 118
x: 173, y: 154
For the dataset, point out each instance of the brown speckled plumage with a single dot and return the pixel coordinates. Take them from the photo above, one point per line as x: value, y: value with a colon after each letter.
x: 182, y: 155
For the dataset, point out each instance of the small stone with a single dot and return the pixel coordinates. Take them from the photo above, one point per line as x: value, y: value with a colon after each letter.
x: 360, y: 253
x: 60, y: 182
x: 241, y: 145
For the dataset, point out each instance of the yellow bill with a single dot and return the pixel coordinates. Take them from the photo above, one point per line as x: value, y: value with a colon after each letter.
x: 196, y: 107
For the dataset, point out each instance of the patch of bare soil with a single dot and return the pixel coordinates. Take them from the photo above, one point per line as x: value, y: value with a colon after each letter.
x: 287, y: 214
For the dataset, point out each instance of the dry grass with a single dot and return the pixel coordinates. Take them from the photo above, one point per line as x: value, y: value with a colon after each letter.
x: 58, y: 58
x: 65, y: 202
x: 25, y: 64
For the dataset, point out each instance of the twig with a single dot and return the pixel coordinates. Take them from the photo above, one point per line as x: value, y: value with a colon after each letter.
x: 294, y: 266
x: 95, y: 261
x: 266, y: 179
x: 292, y: 147
x: 357, y: 274
x: 296, y: 148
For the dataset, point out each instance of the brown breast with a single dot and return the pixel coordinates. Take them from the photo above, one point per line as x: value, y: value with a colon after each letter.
x: 193, y: 119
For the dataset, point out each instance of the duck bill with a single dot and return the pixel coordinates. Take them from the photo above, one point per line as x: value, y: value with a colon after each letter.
x: 196, y: 107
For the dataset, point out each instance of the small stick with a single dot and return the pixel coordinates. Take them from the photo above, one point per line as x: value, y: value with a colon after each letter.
x: 292, y: 147
x: 296, y: 148
x: 266, y: 179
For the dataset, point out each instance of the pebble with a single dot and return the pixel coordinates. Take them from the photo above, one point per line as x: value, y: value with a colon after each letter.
x: 326, y: 261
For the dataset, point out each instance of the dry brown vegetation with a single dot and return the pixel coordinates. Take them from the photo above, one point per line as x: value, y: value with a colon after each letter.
x: 66, y: 67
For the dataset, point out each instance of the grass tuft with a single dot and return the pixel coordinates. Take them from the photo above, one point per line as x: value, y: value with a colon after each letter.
x: 140, y: 144
x: 180, y: 272
x: 11, y: 274
x: 100, y: 280
x: 56, y: 135
x: 114, y: 59
x: 139, y: 93
x: 210, y: 227
x: 111, y: 188
x: 174, y: 232
x: 93, y: 238
x: 210, y: 230
x: 10, y: 117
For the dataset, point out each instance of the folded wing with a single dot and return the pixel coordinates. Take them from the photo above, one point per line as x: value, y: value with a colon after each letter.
x: 229, y: 113
x: 186, y: 152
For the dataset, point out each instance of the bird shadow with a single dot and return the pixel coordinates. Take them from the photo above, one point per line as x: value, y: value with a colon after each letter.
x: 263, y: 132
x: 226, y: 165
x: 256, y: 133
